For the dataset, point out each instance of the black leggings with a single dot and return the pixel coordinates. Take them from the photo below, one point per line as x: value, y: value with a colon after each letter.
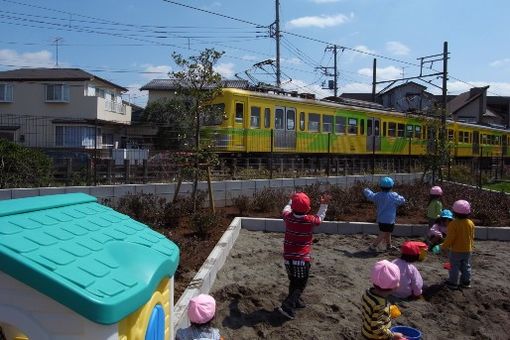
x: 298, y: 272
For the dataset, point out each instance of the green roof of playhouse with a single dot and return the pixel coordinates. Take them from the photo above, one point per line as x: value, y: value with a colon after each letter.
x: 90, y: 258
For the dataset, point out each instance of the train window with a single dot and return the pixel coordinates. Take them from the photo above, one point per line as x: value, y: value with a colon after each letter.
x: 353, y: 126
x: 255, y: 117
x: 291, y: 119
x: 313, y: 122
x: 392, y: 129
x: 497, y: 140
x: 302, y: 121
x: 267, y: 117
x: 417, y: 131
x: 239, y: 112
x: 369, y: 127
x: 450, y: 135
x: 340, y: 125
x: 327, y: 123
x: 362, y: 127
x: 484, y: 139
x: 400, y: 130
x: 278, y: 119
x: 376, y: 127
x: 409, y: 131
x: 384, y: 129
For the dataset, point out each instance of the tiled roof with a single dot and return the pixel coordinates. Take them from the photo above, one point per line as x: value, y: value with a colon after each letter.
x: 174, y: 84
x: 52, y: 74
x: 90, y: 258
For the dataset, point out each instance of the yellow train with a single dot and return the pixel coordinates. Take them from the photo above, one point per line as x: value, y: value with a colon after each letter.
x: 261, y: 122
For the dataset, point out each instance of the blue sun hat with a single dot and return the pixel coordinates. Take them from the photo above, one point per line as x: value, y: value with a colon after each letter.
x: 445, y: 213
x: 386, y: 183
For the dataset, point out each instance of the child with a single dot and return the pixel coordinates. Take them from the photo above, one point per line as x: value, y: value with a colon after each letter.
x: 437, y: 233
x: 435, y: 205
x: 297, y: 246
x: 459, y: 241
x: 411, y: 282
x: 201, y: 310
x: 386, y: 202
x: 375, y: 308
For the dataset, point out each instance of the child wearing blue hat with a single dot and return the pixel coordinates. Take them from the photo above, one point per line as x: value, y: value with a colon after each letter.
x: 386, y: 202
x: 437, y: 233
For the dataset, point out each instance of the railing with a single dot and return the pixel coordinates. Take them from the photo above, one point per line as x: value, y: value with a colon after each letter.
x: 114, y: 107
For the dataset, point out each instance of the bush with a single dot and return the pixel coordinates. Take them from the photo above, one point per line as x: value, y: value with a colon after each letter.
x: 269, y: 200
x: 242, y: 203
x: 23, y: 167
x: 146, y: 208
x: 203, y: 220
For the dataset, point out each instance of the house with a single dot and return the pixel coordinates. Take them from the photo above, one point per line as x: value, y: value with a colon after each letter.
x: 164, y: 89
x: 72, y: 268
x: 408, y: 97
x: 471, y: 107
x: 61, y: 108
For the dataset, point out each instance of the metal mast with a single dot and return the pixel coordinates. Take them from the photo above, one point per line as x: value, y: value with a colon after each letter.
x: 277, y: 37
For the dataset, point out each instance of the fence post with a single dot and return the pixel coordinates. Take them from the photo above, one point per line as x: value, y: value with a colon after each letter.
x: 109, y: 170
x: 329, y: 155
x: 145, y: 171
x: 127, y: 170
x: 211, y: 194
x: 271, y: 156
x: 89, y: 167
x: 69, y: 170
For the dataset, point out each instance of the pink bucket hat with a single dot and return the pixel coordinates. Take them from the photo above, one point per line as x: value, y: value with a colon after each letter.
x: 462, y: 207
x: 300, y: 203
x: 201, y: 308
x: 385, y: 275
x: 436, y: 191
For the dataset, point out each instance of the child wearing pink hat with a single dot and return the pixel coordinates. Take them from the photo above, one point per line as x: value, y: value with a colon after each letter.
x: 297, y: 246
x: 375, y: 308
x: 459, y: 242
x: 201, y: 310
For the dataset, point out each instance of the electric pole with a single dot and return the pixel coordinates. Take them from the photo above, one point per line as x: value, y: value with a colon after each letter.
x: 334, y: 84
x: 274, y: 32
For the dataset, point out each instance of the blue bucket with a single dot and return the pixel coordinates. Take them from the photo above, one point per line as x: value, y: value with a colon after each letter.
x: 409, y: 332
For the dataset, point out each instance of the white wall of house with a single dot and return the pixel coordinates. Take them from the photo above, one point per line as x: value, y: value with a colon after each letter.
x: 30, y: 98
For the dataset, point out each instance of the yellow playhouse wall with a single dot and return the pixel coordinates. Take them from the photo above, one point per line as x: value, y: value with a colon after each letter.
x: 134, y: 326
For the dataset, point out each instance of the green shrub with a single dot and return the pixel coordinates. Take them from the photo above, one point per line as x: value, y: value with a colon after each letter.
x: 269, y: 200
x: 203, y: 220
x: 242, y: 203
x: 23, y: 167
x: 146, y: 208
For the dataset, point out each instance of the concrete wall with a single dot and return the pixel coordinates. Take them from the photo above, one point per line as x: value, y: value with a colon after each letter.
x: 224, y: 192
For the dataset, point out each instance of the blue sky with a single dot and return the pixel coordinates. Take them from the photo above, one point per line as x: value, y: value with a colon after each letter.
x: 130, y: 42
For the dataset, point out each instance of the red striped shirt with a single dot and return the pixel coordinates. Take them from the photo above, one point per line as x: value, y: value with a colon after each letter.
x: 297, y: 244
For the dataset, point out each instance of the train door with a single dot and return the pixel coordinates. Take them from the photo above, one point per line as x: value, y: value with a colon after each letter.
x: 373, y: 135
x: 431, y: 140
x: 238, y: 138
x: 504, y: 145
x: 476, y: 143
x: 285, y: 127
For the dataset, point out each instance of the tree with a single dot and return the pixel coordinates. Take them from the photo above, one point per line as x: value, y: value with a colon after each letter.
x: 174, y: 127
x: 199, y: 83
x: 23, y: 167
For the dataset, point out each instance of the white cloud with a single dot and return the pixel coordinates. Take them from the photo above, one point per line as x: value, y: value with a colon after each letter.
x: 363, y: 48
x: 291, y: 61
x: 134, y: 95
x: 500, y: 62
x: 324, y: 1
x: 385, y: 73
x: 322, y: 21
x: 249, y: 58
x: 495, y: 89
x: 226, y: 70
x: 397, y: 48
x: 303, y: 87
x: 356, y: 87
x: 29, y: 59
x: 156, y: 71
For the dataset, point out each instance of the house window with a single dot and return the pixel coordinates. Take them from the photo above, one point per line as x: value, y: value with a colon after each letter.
x: 57, y: 93
x: 108, y: 140
x: 340, y: 125
x: 7, y: 135
x: 267, y: 117
x: 314, y: 122
x: 353, y: 126
x: 75, y: 136
x: 327, y: 123
x: 255, y: 117
x: 5, y: 93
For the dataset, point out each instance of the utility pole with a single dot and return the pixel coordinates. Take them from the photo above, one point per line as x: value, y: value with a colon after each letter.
x: 56, y: 41
x: 444, y: 90
x: 374, y: 79
x: 276, y: 34
x: 325, y: 70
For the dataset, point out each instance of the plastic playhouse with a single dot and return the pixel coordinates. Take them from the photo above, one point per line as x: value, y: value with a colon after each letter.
x: 71, y: 268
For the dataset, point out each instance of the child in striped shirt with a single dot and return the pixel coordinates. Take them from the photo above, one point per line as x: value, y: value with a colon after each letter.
x: 297, y: 246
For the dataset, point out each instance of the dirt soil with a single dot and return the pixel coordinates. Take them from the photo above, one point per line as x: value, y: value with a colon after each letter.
x: 253, y: 283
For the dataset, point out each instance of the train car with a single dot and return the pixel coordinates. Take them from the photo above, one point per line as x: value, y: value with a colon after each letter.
x: 260, y: 122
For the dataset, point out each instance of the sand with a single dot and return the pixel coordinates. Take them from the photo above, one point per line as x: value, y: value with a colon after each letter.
x: 253, y: 283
